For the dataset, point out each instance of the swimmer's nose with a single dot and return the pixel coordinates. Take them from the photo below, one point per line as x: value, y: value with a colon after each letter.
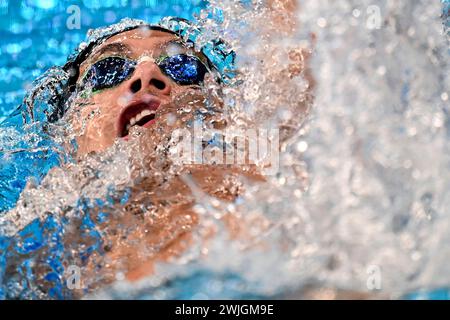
x: 148, y: 78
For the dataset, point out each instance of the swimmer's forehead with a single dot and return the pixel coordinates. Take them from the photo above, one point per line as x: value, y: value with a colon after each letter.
x: 134, y: 44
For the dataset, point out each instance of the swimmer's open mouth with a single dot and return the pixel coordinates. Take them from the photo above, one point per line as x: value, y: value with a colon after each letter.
x: 137, y: 114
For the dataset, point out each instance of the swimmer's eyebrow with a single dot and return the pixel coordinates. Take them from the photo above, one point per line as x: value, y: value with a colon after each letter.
x: 113, y: 48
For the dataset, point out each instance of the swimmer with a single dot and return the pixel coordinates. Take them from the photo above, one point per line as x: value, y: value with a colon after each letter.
x: 136, y: 76
x: 128, y: 87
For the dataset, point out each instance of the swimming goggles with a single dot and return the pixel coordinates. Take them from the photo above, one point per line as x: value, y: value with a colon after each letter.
x: 110, y: 72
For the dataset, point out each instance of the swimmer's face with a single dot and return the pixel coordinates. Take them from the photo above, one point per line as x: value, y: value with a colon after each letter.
x: 116, y: 97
